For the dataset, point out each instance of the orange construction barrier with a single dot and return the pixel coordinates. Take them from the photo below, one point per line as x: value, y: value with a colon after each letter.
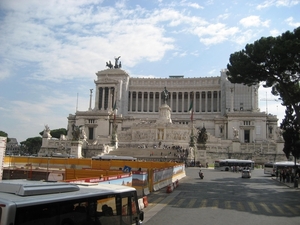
x: 145, y: 201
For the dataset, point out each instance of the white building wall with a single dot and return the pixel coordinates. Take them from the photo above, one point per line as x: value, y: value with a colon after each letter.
x: 218, y: 105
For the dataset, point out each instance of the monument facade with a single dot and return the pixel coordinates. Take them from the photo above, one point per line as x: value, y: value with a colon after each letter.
x: 131, y: 112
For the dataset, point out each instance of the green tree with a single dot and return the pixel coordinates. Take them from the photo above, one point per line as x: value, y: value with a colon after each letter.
x: 31, y: 145
x: 56, y: 133
x: 3, y: 134
x: 273, y: 60
x: 291, y: 134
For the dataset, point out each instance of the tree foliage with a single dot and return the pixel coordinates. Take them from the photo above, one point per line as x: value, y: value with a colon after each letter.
x: 291, y: 133
x: 56, y: 133
x: 274, y: 61
x: 3, y: 134
x: 31, y: 145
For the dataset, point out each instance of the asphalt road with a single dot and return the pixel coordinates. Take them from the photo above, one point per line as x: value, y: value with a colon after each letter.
x: 225, y: 198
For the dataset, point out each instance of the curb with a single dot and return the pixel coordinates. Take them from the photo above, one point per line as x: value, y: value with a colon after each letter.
x: 290, y: 185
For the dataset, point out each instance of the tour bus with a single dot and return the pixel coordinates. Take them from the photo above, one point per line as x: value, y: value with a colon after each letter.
x: 284, y: 165
x: 25, y: 202
x: 226, y: 164
x: 113, y: 157
x: 268, y: 168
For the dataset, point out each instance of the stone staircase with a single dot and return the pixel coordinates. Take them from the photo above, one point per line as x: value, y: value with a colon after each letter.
x: 156, y: 154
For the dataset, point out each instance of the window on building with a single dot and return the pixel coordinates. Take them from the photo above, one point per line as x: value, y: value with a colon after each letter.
x: 247, y: 123
x: 247, y: 136
x: 91, y: 133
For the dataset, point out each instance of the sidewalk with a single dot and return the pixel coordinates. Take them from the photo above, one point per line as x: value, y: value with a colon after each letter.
x: 288, y: 184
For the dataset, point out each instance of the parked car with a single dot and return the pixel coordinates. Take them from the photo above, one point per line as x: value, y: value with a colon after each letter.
x: 246, y: 174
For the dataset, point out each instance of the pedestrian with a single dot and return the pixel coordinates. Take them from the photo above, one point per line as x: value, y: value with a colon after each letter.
x: 284, y: 175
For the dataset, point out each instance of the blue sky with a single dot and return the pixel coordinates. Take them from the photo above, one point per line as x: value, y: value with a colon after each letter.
x: 51, y: 50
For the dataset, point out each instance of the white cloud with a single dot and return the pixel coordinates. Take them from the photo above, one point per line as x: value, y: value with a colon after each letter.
x: 212, y: 72
x: 183, y: 3
x: 61, y: 54
x: 278, y: 3
x: 275, y: 32
x: 194, y: 5
x: 214, y: 33
x: 179, y: 54
x: 287, y: 3
x: 290, y: 22
x: 265, y: 4
x: 223, y: 16
x: 4, y: 71
x: 244, y: 37
x: 254, y: 21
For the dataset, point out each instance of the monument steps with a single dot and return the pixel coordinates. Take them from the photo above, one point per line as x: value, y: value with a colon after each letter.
x: 147, y: 152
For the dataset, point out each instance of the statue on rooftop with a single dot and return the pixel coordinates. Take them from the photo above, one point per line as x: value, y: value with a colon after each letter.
x: 165, y: 95
x: 76, y: 132
x: 117, y: 65
x: 109, y: 64
x: 46, y: 133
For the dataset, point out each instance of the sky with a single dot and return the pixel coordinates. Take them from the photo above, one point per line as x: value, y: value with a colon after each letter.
x: 51, y: 50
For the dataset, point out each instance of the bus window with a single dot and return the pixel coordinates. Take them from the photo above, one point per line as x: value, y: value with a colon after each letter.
x: 38, y: 214
x: 227, y: 164
x: 1, y: 211
x: 127, y: 210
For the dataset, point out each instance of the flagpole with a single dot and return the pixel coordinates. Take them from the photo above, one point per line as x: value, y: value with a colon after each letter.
x: 114, y: 130
x: 192, y: 139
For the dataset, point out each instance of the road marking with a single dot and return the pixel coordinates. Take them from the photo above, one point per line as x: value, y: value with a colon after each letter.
x: 227, y: 205
x: 191, y: 203
x: 252, y: 206
x: 167, y: 201
x: 158, y: 200
x: 292, y: 209
x: 240, y: 206
x: 215, y: 204
x: 180, y: 201
x: 266, y: 207
x: 278, y: 208
x: 203, y: 203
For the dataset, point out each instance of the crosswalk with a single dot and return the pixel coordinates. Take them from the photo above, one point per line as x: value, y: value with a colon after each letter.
x: 269, y: 208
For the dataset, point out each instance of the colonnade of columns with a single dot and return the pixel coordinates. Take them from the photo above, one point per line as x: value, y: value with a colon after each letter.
x: 105, y: 98
x: 148, y: 101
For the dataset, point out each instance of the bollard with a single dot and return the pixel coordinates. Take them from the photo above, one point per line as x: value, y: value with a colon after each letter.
x: 145, y: 201
x: 296, y: 183
x: 169, y: 188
